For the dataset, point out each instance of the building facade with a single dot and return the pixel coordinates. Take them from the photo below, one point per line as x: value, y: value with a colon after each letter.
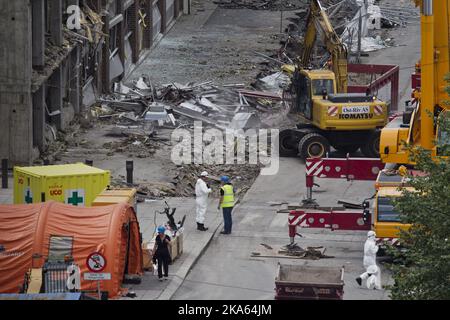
x: 53, y: 65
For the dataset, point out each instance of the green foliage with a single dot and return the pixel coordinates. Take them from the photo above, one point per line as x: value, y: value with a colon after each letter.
x: 424, y: 272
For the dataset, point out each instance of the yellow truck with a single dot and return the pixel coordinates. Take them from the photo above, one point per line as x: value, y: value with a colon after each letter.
x: 385, y: 219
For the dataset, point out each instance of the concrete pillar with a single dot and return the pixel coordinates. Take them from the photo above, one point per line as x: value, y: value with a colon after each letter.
x: 55, y: 17
x: 162, y: 9
x: 176, y: 9
x: 38, y: 10
x: 55, y: 97
x: 16, y: 129
x: 74, y: 76
x: 187, y: 6
x: 39, y: 117
x: 105, y: 57
x: 148, y: 32
x: 135, y: 28
x: 121, y: 33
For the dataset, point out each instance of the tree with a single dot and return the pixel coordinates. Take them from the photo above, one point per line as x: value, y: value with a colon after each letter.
x: 424, y: 270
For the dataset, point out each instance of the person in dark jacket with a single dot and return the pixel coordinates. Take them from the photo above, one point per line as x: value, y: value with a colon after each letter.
x: 161, y: 253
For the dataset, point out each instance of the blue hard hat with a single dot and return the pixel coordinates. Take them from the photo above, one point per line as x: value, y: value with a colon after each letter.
x: 161, y: 229
x: 225, y: 179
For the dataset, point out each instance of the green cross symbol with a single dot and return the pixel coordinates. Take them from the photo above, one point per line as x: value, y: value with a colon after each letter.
x: 75, y: 200
x: 28, y: 198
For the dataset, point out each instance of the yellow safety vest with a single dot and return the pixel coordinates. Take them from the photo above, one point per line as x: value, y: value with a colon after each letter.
x: 228, y: 196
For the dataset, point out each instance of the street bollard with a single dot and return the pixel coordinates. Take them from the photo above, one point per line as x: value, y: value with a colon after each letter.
x: 129, y: 167
x: 5, y: 173
x: 89, y: 162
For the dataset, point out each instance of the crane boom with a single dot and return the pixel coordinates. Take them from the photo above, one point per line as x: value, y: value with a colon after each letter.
x: 434, y: 64
x: 421, y: 129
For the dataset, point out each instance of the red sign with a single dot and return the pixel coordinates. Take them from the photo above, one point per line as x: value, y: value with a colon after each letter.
x: 96, y: 262
x: 349, y: 168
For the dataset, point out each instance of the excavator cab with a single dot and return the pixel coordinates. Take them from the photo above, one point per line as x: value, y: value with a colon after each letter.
x: 310, y: 85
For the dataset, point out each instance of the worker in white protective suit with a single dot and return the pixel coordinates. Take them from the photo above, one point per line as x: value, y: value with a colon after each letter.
x: 372, y: 274
x: 202, y: 190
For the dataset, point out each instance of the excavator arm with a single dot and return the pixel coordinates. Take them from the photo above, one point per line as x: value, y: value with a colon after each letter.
x: 318, y: 22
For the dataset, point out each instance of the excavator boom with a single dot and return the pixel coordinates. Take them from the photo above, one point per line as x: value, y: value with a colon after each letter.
x: 318, y: 20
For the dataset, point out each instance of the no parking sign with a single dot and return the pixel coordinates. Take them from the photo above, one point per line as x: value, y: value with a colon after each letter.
x: 96, y: 262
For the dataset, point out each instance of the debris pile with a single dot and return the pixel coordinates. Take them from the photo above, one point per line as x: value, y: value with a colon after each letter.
x: 183, y: 184
x: 292, y: 251
x: 242, y: 177
x: 261, y: 4
x: 398, y: 15
x: 58, y: 142
x: 134, y: 145
x: 176, y: 104
x: 313, y: 253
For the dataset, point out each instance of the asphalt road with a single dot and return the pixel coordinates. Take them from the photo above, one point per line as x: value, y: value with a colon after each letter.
x: 227, y: 271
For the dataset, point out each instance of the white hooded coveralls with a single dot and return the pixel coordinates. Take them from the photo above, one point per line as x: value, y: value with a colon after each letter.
x: 370, y: 264
x: 201, y: 194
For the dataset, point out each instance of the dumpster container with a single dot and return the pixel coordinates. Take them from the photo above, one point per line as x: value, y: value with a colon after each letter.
x: 116, y: 195
x: 77, y: 184
x: 295, y: 282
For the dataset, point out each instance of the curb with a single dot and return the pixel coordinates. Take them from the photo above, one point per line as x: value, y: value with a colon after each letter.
x: 186, y: 267
x: 188, y: 264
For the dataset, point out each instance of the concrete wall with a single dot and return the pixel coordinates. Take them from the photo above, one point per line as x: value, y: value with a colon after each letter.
x: 23, y: 114
x: 16, y: 129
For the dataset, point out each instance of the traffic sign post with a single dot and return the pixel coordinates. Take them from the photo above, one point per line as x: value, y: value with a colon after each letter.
x: 96, y: 263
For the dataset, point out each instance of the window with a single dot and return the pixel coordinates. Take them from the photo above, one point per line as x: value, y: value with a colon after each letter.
x: 319, y: 85
x: 386, y: 211
x: 59, y: 247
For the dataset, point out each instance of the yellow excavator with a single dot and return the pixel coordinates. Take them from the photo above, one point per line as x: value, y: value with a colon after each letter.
x: 419, y: 125
x: 327, y: 114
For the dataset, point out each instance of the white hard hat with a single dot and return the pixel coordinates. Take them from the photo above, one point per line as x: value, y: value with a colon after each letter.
x: 204, y: 174
x: 371, y: 234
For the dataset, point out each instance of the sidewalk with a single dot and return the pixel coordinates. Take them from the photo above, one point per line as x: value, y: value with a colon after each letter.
x: 6, y: 195
x: 194, y: 244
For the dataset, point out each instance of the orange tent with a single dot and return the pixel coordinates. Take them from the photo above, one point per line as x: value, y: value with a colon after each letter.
x: 26, y: 232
